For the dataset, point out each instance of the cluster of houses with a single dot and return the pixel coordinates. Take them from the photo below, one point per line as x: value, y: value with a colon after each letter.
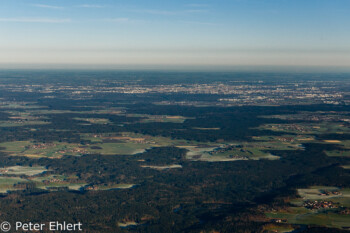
x: 227, y: 148
x: 50, y: 145
x: 328, y: 193
x: 345, y: 211
x: 286, y: 139
x: 323, y: 117
x: 41, y: 145
x: 4, y: 170
x: 74, y: 150
x: 292, y: 127
x: 315, y: 205
x: 53, y: 180
x: 127, y: 139
x: 233, y: 149
x: 93, y: 187
x: 133, y: 140
x: 278, y: 220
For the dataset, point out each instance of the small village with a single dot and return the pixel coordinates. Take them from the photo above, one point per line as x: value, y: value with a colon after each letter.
x: 45, y: 146
x: 41, y: 146
x: 315, y: 205
x: 329, y: 193
x: 92, y: 187
x: 4, y: 170
x: 53, y: 180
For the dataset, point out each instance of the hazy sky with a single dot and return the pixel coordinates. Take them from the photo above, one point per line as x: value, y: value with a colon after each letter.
x: 161, y: 32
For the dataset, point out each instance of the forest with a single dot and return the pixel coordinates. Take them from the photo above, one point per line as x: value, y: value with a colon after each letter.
x: 143, y: 191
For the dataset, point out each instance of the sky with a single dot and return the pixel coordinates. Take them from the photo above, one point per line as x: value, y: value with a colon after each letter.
x: 175, y: 33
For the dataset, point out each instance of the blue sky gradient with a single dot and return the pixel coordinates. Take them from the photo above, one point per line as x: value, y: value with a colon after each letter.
x: 154, y: 32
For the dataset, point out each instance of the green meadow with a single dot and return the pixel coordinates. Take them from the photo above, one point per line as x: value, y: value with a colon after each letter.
x: 101, y: 121
x: 22, y: 170
x: 103, y: 187
x: 7, y: 183
x: 344, y: 150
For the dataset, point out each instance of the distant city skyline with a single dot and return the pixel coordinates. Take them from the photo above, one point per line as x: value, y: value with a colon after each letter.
x: 180, y: 33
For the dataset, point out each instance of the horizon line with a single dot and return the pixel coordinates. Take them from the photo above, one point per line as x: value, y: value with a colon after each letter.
x: 160, y: 67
